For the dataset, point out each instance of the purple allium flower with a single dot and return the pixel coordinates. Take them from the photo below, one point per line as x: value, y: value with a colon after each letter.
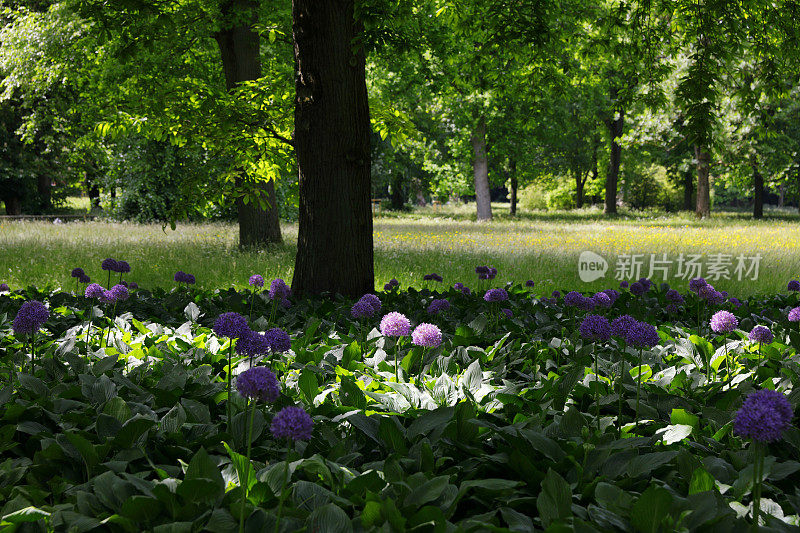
x: 432, y: 277
x: 716, y: 298
x: 793, y: 285
x: 108, y: 297
x: 279, y: 340
x: 556, y: 294
x: 84, y: 279
x: 4, y: 287
x: 120, y: 293
x: 664, y: 286
x: 794, y: 315
x: 427, y: 335
x: 258, y: 383
x: 387, y: 287
x: 482, y: 269
x: 646, y: 283
x: 736, y: 302
x: 586, y: 304
x: 458, y: 285
x: 256, y: 280
x: 252, y: 343
x: 463, y: 288
x: 573, y: 299
x: 30, y: 317
x: 183, y: 277
x: 621, y: 325
x: 466, y: 291
x: 642, y: 335
x: 674, y: 296
x: 623, y: 284
x: 394, y: 283
x: 613, y: 294
x: 724, y: 322
x: 602, y: 299
x: 93, y: 290
x: 292, y: 423
x: 764, y: 416
x: 279, y: 290
x: 123, y: 267
x: 361, y: 309
x: 724, y: 294
x: 637, y: 289
x: 496, y: 295
x: 373, y: 301
x: 231, y: 325
x: 530, y: 283
x: 395, y: 324
x: 133, y: 285
x: 109, y: 264
x: 123, y: 283
x: 760, y: 334
x: 438, y: 305
x: 508, y: 312
x: 672, y: 309
x: 77, y: 272
x: 595, y: 328
x: 492, y: 272
x: 695, y: 284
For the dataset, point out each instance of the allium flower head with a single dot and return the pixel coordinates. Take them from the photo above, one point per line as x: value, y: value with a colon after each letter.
x: 394, y: 283
x: 109, y: 264
x: 760, y: 334
x: 77, y: 272
x: 621, y: 325
x: 508, y: 312
x: 93, y: 290
x: 361, y: 309
x: 256, y: 280
x: 672, y: 309
x: 427, y: 335
x: 642, y: 335
x: 646, y: 283
x: 736, y: 302
x: 432, y: 277
x: 252, y: 343
x: 231, y: 325
x: 30, y: 317
x: 279, y: 340
x: 674, y: 296
x: 133, y: 285
x: 613, y: 294
x: 292, y: 423
x: 764, y: 416
x: 84, y: 279
x: 183, y: 277
x: 793, y: 285
x: 4, y: 287
x: 602, y: 299
x: 623, y: 284
x: 123, y: 267
x: 794, y: 315
x: 395, y: 324
x: 637, y: 289
x: 595, y: 328
x: 279, y: 290
x: 695, y: 284
x: 573, y: 299
x: 724, y: 322
x: 496, y: 295
x: 530, y: 283
x: 587, y: 304
x: 373, y: 301
x: 108, y: 297
x: 120, y: 292
x: 438, y: 305
x: 258, y: 383
x: 664, y: 286
x: 556, y: 294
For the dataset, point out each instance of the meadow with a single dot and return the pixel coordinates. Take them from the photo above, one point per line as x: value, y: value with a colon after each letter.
x: 544, y: 247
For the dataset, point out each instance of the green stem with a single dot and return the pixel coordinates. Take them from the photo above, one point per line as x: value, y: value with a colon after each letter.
x: 422, y: 365
x: 597, y: 386
x: 638, y: 387
x: 113, y: 320
x: 246, y: 484
x: 229, y: 407
x: 252, y: 297
x: 619, y: 402
x: 283, y: 490
x: 758, y: 473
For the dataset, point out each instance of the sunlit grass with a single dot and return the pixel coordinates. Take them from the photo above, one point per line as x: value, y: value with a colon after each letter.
x: 539, y: 247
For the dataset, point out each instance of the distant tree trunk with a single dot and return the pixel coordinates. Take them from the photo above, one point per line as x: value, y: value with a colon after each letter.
x: 332, y: 143
x: 92, y: 190
x: 43, y: 188
x: 703, y: 208
x: 615, y: 127
x: 512, y: 169
x: 13, y: 204
x: 688, y: 190
x: 398, y: 200
x: 579, y: 182
x: 480, y: 166
x: 782, y: 195
x: 239, y: 48
x: 758, y: 190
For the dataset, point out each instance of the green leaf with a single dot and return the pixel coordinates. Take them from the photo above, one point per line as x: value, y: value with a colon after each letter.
x: 350, y: 394
x: 133, y: 430
x: 701, y: 481
x: 308, y: 385
x: 203, y: 467
x: 117, y: 408
x: 428, y: 420
x: 329, y: 518
x: 173, y: 421
x: 642, y: 465
x: 675, y: 433
x: 191, y: 312
x: 85, y: 448
x: 391, y: 433
x: 244, y: 467
x: 680, y: 416
x: 651, y: 508
x: 555, y: 499
x: 427, y: 492
x: 28, y: 514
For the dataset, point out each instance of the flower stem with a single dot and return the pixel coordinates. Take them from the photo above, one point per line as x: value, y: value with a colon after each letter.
x: 228, y: 400
x: 619, y: 401
x: 597, y: 386
x: 638, y: 387
x: 283, y: 491
x: 113, y: 320
x: 758, y: 473
x: 246, y: 483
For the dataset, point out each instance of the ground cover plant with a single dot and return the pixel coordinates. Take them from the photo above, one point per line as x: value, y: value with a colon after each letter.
x: 470, y: 406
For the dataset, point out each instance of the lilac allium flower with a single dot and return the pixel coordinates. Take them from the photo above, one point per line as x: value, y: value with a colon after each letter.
x: 279, y: 340
x: 573, y: 299
x: 602, y: 299
x: 30, y: 317
x: 724, y: 294
x: 292, y: 423
x: 458, y: 286
x: 586, y: 304
x: 256, y: 280
x: 93, y: 290
x: 258, y: 383
x: 432, y: 277
x: 387, y: 287
x: 84, y: 279
x: 361, y: 309
x: 133, y: 285
x: 123, y: 283
x: 394, y: 283
x: 123, y: 267
x: 482, y: 270
x: 183, y: 277
x: 108, y: 297
x: 760, y: 334
x: 466, y: 291
x: 4, y: 287
x: 252, y: 343
x: 715, y: 298
x: 231, y: 325
x: 672, y: 309
x: 438, y: 305
x: 492, y: 272
x: 496, y: 295
x: 794, y: 315
x: 279, y: 290
x: 695, y: 284
x: 674, y: 296
x: 623, y: 284
x: 621, y: 325
x: 724, y: 322
x: 764, y: 416
x: 613, y: 294
x: 736, y: 302
x: 637, y: 289
x: 642, y: 335
x: 595, y: 328
x: 77, y: 272
x: 664, y: 286
x: 706, y: 291
x: 508, y: 312
x: 395, y: 324
x: 427, y: 335
x: 556, y: 294
x: 646, y: 283
x: 373, y: 301
x: 530, y: 283
x: 109, y: 264
x: 793, y: 285
x: 120, y: 292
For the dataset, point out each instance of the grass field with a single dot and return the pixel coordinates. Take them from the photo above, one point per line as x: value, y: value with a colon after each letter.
x: 544, y: 247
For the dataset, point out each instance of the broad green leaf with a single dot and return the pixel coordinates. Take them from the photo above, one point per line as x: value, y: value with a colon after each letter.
x: 555, y: 499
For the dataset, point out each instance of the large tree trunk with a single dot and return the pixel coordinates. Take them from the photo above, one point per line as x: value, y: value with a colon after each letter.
x: 512, y: 169
x: 579, y: 181
x: 615, y: 127
x: 703, y: 208
x: 332, y: 143
x: 398, y: 200
x: 13, y: 204
x: 43, y: 188
x: 239, y: 48
x: 758, y: 191
x: 688, y: 190
x: 480, y: 168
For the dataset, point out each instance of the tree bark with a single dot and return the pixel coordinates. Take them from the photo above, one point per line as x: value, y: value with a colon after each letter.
x: 512, y: 168
x: 579, y: 182
x: 239, y: 48
x: 332, y: 143
x: 13, y: 204
x: 703, y: 208
x: 615, y: 128
x: 758, y: 191
x: 480, y: 167
x: 688, y: 190
x: 43, y: 188
x: 398, y: 200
